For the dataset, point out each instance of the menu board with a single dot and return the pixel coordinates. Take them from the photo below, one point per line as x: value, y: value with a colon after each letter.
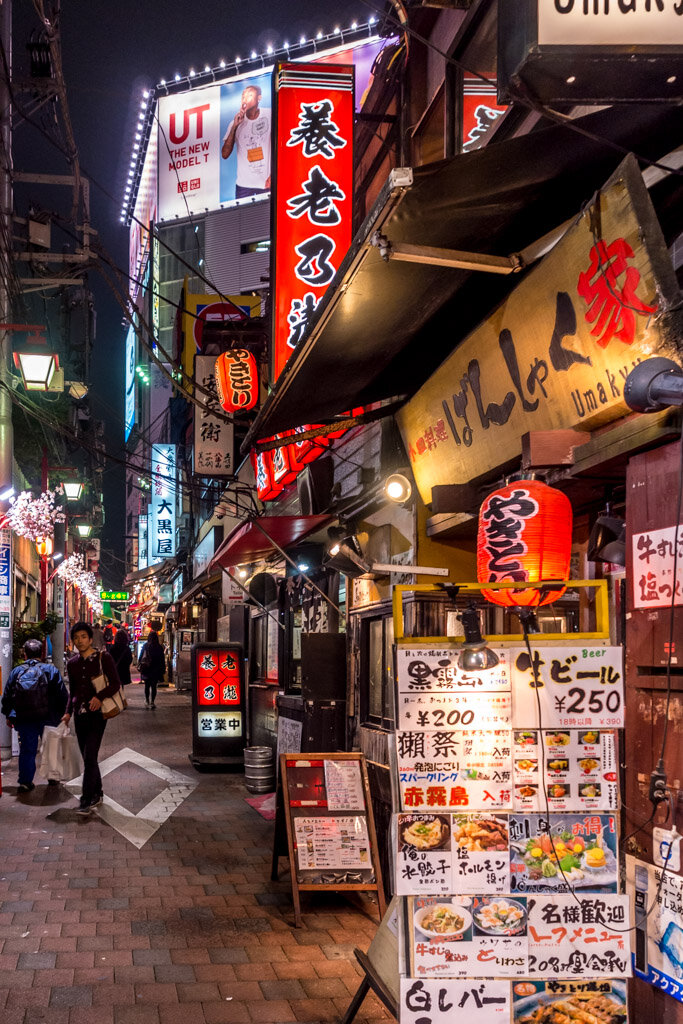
x: 453, y: 768
x: 497, y: 854
x: 330, y: 828
x: 485, y: 1001
x: 580, y: 687
x: 578, y: 767
x: 547, y: 936
x: 563, y: 852
x: 506, y: 839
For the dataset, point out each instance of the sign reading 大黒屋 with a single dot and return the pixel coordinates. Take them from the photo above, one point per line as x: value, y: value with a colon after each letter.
x: 556, y: 354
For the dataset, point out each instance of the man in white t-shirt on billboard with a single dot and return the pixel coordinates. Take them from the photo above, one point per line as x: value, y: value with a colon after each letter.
x: 250, y: 133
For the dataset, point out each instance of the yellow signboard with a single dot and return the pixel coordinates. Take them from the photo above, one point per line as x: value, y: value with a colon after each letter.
x: 556, y: 353
x: 201, y: 309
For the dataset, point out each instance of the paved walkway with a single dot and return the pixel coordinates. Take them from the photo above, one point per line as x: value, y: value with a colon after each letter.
x: 165, y: 918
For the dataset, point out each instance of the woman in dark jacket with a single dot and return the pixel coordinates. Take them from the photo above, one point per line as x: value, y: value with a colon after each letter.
x: 152, y: 664
x: 121, y: 653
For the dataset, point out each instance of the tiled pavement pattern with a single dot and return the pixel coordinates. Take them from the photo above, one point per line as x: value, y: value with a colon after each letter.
x: 189, y: 929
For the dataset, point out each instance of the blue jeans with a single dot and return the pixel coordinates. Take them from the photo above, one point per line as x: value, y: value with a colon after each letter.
x: 29, y: 738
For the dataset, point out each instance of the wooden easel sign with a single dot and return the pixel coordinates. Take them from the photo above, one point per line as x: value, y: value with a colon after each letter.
x: 330, y: 827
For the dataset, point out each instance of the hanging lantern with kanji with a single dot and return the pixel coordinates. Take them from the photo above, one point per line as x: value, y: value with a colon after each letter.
x: 237, y: 380
x: 525, y: 535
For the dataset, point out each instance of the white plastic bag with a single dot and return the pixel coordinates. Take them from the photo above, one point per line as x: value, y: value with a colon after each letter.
x: 60, y: 757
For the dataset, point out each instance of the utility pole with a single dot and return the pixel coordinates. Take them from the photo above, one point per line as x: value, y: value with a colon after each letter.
x: 6, y: 435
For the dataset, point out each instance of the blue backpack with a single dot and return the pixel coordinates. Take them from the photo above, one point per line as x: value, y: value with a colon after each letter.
x: 30, y: 696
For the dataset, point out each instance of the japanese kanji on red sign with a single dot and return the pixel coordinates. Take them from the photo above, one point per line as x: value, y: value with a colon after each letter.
x: 312, y: 208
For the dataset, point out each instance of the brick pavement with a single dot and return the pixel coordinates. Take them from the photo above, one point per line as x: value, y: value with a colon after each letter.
x: 188, y: 929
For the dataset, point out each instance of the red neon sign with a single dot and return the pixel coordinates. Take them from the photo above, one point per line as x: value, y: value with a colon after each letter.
x: 313, y: 193
x: 218, y: 678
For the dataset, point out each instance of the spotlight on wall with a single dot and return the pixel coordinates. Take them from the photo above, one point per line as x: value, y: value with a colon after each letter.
x: 346, y: 556
x: 475, y: 655
x: 398, y: 488
x: 653, y: 385
x: 607, y: 541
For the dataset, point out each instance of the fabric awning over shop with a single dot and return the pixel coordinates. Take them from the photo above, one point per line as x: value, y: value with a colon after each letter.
x: 162, y: 570
x: 202, y: 582
x: 251, y: 542
x: 384, y: 327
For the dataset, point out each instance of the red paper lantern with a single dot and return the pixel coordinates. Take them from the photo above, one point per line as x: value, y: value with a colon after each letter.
x: 525, y: 534
x: 237, y: 380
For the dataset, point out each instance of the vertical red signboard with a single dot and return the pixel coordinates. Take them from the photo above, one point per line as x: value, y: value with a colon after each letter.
x: 218, y: 704
x: 313, y: 194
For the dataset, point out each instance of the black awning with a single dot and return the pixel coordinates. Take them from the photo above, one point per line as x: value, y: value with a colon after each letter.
x: 161, y: 570
x: 383, y: 328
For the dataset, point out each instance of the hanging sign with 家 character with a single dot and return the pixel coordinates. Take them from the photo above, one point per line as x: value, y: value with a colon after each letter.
x: 213, y: 435
x: 218, y: 704
x: 312, y: 195
x: 162, y: 540
x: 455, y: 769
x: 578, y: 687
x: 433, y: 693
x: 574, y: 769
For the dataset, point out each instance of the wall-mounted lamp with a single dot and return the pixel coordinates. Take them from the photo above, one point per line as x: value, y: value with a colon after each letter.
x: 398, y: 488
x: 475, y: 655
x: 84, y: 529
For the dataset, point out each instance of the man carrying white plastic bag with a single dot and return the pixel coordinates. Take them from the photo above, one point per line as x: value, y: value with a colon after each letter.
x: 60, y: 758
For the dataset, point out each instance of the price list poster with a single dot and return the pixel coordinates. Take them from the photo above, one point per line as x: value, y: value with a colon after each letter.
x: 506, y: 841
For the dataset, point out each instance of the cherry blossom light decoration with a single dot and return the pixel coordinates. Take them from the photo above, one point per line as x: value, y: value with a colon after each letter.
x: 34, y: 518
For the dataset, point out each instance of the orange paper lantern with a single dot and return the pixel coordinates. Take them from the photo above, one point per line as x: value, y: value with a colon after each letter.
x: 525, y: 535
x: 237, y: 380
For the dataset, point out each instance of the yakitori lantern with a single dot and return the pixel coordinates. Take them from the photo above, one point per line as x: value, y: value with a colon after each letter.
x: 525, y: 535
x: 237, y: 380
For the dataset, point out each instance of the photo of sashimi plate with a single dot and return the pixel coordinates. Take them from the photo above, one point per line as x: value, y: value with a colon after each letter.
x: 554, y: 859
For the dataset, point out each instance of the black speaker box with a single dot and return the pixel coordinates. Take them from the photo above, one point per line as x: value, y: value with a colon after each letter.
x: 314, y: 486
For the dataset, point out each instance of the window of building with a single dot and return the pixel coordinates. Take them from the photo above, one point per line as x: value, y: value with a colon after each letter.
x: 263, y: 245
x: 378, y: 671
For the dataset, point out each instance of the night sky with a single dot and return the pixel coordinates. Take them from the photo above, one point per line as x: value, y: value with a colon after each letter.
x: 111, y: 51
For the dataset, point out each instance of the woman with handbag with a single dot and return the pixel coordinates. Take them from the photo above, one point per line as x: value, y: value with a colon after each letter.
x: 152, y: 666
x: 86, y: 673
x: 121, y: 653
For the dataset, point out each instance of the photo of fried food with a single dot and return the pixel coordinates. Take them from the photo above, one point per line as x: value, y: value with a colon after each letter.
x: 581, y: 1008
x: 480, y: 835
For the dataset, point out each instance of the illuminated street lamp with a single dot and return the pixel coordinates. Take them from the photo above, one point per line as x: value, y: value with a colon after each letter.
x: 44, y: 546
x: 84, y: 529
x: 36, y: 363
x: 73, y: 490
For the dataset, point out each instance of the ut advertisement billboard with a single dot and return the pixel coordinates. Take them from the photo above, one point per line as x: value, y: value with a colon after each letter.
x: 215, y: 142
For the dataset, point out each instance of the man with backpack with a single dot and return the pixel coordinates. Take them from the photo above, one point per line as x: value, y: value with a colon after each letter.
x: 35, y: 696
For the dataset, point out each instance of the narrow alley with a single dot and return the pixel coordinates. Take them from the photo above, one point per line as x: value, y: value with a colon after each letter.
x: 159, y: 908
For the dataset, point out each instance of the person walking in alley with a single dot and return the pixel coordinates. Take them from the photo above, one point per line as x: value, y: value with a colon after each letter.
x: 97, y: 637
x: 85, y: 705
x: 35, y: 696
x: 152, y: 666
x: 122, y: 655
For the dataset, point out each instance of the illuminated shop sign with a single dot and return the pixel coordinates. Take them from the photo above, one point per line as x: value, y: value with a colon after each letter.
x: 313, y: 193
x: 162, y: 541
